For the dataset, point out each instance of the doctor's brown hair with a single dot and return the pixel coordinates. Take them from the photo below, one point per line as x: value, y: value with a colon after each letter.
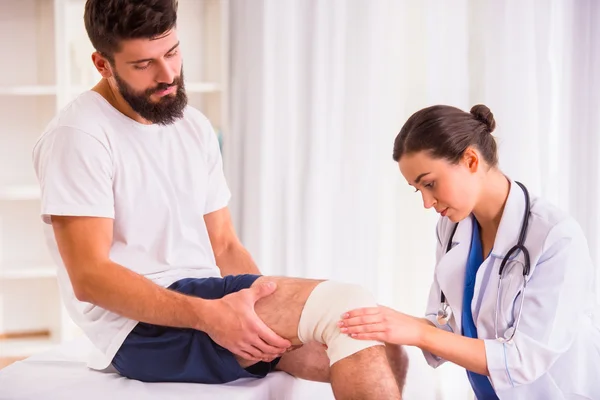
x: 107, y: 22
x: 446, y: 132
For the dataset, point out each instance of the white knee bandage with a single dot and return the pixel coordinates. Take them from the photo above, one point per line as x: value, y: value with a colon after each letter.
x: 323, y: 310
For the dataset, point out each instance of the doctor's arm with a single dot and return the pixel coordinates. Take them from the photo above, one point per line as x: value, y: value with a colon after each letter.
x: 438, y: 343
x: 467, y: 352
x: 547, y: 328
x: 437, y: 355
x: 391, y: 326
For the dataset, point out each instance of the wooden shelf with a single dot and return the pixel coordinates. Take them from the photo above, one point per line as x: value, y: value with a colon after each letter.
x: 27, y: 273
x: 32, y: 90
x: 20, y: 192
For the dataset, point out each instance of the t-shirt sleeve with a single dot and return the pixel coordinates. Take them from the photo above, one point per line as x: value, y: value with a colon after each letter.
x: 75, y: 172
x: 218, y: 193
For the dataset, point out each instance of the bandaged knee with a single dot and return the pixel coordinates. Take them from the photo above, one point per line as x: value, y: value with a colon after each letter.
x: 323, y: 310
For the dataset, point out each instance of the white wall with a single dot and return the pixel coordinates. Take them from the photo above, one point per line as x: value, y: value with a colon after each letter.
x: 320, y: 90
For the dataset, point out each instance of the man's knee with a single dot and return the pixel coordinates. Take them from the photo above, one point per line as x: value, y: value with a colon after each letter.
x: 322, y: 312
x: 398, y: 360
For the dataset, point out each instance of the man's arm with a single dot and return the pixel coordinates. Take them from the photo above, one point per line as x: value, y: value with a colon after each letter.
x: 231, y: 256
x: 84, y: 245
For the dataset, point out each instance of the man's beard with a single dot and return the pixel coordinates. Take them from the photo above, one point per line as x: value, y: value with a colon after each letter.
x: 164, y: 112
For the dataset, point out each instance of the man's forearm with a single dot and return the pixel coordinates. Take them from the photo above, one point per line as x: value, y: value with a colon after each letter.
x: 236, y: 260
x: 124, y: 292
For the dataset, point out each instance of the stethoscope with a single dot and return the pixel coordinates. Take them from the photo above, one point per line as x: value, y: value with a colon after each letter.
x: 445, y: 312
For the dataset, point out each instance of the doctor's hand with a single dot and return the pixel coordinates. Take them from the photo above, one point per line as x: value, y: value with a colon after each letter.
x: 233, y: 324
x: 383, y: 324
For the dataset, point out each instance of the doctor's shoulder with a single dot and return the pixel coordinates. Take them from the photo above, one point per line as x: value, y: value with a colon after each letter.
x: 554, y: 231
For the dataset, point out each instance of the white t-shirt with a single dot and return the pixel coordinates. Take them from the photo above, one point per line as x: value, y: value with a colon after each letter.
x: 156, y: 182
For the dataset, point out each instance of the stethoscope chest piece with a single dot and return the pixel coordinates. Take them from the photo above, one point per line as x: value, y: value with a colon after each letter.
x: 444, y: 314
x: 508, y: 335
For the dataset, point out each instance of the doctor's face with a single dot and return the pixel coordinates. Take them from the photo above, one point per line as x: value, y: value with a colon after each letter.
x: 451, y: 189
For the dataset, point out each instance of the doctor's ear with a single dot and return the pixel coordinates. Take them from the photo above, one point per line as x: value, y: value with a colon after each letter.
x: 471, y: 159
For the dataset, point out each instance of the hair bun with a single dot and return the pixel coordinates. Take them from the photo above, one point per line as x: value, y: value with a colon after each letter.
x: 483, y: 114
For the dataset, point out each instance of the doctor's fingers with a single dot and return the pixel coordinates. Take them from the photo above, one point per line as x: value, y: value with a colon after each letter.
x: 371, y: 328
x: 380, y: 336
x: 362, y: 320
x: 362, y: 311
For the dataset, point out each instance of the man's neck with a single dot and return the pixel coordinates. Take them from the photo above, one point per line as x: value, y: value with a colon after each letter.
x: 112, y: 95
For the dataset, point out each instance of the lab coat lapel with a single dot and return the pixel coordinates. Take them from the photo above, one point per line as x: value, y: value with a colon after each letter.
x: 452, y: 267
x: 510, y: 223
x: 487, y: 276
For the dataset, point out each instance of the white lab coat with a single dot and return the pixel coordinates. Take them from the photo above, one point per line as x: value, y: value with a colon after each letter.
x: 555, y: 353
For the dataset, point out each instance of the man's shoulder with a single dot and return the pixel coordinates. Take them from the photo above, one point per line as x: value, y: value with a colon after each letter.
x: 198, y: 125
x: 87, y: 113
x: 82, y: 119
x: 88, y: 109
x: 193, y: 113
x: 196, y: 118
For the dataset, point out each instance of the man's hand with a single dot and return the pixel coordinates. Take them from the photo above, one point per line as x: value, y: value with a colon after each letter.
x: 232, y: 323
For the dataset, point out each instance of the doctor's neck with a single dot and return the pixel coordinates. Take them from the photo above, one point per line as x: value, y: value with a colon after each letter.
x: 490, y: 204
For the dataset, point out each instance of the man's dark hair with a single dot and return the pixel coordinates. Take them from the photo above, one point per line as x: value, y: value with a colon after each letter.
x: 108, y: 22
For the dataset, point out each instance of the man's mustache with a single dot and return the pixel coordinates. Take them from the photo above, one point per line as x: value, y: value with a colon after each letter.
x: 163, y: 86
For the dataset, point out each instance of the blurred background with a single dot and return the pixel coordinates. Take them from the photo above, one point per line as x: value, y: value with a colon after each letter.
x: 307, y: 97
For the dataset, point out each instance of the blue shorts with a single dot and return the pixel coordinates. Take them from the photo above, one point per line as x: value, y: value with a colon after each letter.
x: 153, y: 353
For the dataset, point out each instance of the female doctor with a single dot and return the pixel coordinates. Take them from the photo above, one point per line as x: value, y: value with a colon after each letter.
x: 512, y: 299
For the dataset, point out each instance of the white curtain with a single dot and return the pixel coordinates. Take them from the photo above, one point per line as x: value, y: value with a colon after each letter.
x: 319, y: 90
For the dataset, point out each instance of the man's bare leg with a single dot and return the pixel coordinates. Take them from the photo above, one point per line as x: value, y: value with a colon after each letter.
x: 310, y: 362
x: 398, y: 360
x: 363, y: 375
